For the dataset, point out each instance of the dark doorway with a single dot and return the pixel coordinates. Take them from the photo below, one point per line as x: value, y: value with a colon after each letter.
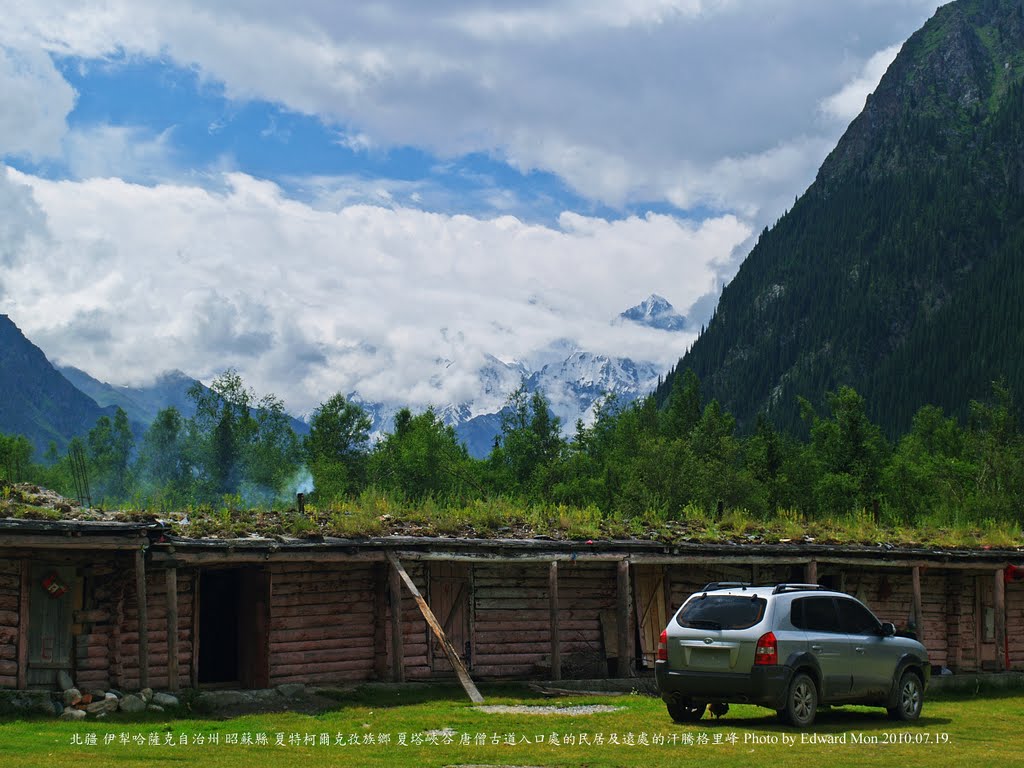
x: 219, y: 602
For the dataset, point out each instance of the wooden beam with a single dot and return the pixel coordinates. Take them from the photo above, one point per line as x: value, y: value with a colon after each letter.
x: 23, y: 611
x: 397, y: 644
x: 556, y: 640
x: 1000, y: 610
x: 915, y: 605
x: 380, y: 628
x: 225, y: 557
x: 58, y: 542
x: 143, y: 614
x: 811, y: 572
x: 979, y: 623
x: 449, y: 649
x: 172, y: 629
x: 623, y: 613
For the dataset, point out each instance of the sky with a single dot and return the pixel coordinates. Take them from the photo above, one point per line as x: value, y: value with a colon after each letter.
x: 355, y: 196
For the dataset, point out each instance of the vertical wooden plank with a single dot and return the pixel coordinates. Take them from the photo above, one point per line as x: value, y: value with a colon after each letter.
x: 623, y: 625
x: 556, y: 640
x: 811, y: 572
x: 23, y: 610
x: 380, y: 629
x: 397, y: 644
x: 979, y: 623
x: 194, y: 669
x: 915, y: 575
x: 755, y: 575
x: 172, y: 629
x: 842, y: 580
x: 1000, y: 609
x: 666, y: 585
x: 143, y: 614
x: 254, y: 628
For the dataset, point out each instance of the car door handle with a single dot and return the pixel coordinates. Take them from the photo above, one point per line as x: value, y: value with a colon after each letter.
x: 859, y: 650
x: 817, y: 648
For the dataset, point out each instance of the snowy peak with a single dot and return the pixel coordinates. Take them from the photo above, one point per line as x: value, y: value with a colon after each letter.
x: 654, y: 312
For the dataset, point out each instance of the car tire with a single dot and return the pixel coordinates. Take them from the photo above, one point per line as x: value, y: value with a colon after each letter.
x: 686, y: 712
x: 909, y: 698
x: 801, y: 701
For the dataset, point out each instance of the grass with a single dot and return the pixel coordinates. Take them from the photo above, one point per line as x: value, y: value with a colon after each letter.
x: 374, y: 513
x: 972, y: 731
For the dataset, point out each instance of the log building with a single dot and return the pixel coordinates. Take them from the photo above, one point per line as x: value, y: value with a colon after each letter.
x: 128, y: 605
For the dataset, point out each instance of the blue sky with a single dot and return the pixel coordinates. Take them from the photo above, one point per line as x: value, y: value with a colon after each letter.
x: 376, y: 197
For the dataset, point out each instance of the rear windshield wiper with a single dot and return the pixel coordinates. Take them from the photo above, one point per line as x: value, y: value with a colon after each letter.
x: 703, y: 623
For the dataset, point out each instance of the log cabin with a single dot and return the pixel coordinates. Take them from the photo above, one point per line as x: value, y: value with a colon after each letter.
x: 130, y: 605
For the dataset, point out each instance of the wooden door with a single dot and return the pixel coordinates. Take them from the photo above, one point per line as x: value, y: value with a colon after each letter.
x: 651, y: 611
x: 254, y: 628
x: 449, y: 600
x: 51, y: 602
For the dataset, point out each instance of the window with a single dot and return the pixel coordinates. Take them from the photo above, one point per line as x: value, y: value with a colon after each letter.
x: 815, y: 614
x: 722, y: 612
x: 855, y: 619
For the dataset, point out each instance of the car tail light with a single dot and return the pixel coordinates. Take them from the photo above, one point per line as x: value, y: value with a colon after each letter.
x: 767, y: 650
x: 663, y: 646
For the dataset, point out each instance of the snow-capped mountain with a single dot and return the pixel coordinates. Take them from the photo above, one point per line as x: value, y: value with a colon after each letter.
x: 573, y: 380
x: 654, y: 312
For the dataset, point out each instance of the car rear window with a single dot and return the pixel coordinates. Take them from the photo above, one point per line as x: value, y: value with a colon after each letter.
x: 721, y: 612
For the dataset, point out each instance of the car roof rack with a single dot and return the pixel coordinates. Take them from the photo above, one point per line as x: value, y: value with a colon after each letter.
x: 797, y: 588
x: 716, y: 585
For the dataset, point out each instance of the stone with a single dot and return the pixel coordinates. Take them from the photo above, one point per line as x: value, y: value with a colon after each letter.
x: 64, y: 680
x: 165, y: 700
x: 155, y: 708
x: 97, y: 694
x: 132, y: 704
x: 291, y: 690
x: 146, y: 694
x: 116, y: 693
x: 73, y: 714
x: 72, y: 696
x: 110, y: 696
x: 102, y: 706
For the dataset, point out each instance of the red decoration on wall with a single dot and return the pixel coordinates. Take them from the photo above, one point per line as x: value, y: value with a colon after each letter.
x: 53, y: 586
x: 1013, y: 573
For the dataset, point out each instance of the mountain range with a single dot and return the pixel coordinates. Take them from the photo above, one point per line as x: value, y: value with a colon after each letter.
x: 53, y: 404
x: 899, y: 271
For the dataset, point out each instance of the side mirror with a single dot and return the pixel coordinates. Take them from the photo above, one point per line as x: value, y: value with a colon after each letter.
x: 888, y: 629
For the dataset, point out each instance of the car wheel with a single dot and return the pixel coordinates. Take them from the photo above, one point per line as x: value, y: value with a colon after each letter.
x: 909, y: 698
x: 686, y: 712
x: 801, y: 701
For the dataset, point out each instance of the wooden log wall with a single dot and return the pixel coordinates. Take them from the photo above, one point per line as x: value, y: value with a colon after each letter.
x: 322, y: 623
x: 1015, y: 623
x: 415, y: 633
x: 123, y: 643
x: 10, y: 598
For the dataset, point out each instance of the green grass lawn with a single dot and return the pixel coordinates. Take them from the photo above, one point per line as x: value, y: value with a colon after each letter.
x: 431, y: 727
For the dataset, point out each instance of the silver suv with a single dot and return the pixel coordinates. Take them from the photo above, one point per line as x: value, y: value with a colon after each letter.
x: 791, y: 647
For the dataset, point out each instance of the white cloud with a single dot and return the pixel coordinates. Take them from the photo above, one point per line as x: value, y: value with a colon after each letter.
x: 35, y: 104
x: 847, y: 103
x: 307, y: 301
x: 626, y: 101
x: 127, y: 152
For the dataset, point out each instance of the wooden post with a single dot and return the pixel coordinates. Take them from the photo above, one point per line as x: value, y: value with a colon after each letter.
x: 23, y: 610
x: 172, y: 629
x: 143, y: 615
x: 196, y: 639
x: 915, y: 574
x: 397, y: 645
x: 623, y: 614
x: 1000, y: 610
x: 979, y: 623
x: 380, y: 629
x: 811, y: 572
x: 666, y: 586
x: 556, y: 644
x: 435, y: 626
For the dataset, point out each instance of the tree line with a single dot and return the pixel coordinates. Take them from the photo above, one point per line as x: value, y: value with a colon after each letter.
x: 635, y: 459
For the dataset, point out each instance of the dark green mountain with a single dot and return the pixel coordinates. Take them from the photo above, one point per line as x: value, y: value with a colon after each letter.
x: 35, y: 399
x: 900, y: 271
x: 140, y: 403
